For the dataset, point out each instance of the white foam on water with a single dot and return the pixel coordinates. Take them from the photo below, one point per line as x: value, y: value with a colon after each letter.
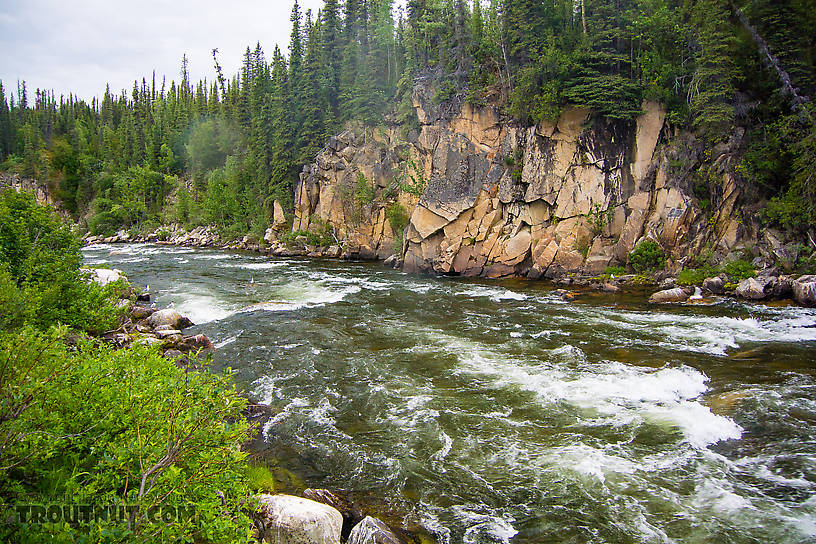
x: 713, y: 335
x: 257, y: 266
x: 516, y: 334
x: 216, y: 256
x: 496, y: 294
x: 483, y: 528
x: 226, y: 342
x: 308, y: 295
x: 589, y: 461
x: 716, y: 497
x: 620, y: 394
x: 200, y: 308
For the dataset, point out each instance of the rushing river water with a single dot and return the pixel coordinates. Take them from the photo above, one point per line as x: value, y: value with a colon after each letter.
x: 489, y: 411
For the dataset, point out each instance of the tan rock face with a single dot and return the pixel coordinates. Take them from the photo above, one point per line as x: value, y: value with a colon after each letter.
x: 490, y: 197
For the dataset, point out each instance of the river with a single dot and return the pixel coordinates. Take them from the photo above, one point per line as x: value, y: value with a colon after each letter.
x: 493, y: 411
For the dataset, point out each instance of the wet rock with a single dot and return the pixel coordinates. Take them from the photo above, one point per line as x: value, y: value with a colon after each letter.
x: 389, y: 262
x: 752, y: 288
x: 565, y: 295
x: 610, y: 288
x: 714, y: 285
x: 668, y: 283
x: 259, y: 411
x: 284, y: 519
x: 197, y: 342
x: 144, y: 296
x: 670, y: 295
x: 350, y: 512
x: 167, y: 332
x: 373, y: 531
x: 804, y: 290
x: 170, y: 317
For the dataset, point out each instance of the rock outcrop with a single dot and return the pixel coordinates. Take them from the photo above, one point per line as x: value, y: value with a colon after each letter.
x: 373, y: 531
x: 489, y: 197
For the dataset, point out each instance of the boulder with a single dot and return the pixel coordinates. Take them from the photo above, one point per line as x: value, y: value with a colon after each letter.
x: 804, y: 290
x: 373, y: 531
x: 350, y: 512
x: 752, y: 289
x: 670, y: 295
x: 169, y: 317
x: 197, y: 342
x: 104, y: 276
x: 141, y: 312
x: 714, y: 285
x: 284, y: 519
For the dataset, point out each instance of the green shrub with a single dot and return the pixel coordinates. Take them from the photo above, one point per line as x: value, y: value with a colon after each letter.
x: 615, y: 271
x: 260, y: 479
x: 398, y: 220
x: 739, y: 270
x: 696, y: 276
x: 94, y: 425
x: 41, y: 255
x: 647, y: 257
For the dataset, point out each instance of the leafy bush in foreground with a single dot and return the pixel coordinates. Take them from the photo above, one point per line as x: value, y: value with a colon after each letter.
x: 105, y: 427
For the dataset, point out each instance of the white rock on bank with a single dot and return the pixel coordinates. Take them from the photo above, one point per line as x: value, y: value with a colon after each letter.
x: 294, y: 520
x: 104, y: 276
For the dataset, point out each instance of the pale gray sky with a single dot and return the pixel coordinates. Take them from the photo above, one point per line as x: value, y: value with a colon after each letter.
x: 80, y: 45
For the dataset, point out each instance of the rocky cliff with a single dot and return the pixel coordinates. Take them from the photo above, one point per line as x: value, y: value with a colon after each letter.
x: 487, y: 196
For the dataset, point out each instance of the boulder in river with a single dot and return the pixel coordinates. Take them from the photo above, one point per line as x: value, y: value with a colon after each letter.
x: 170, y: 317
x: 804, y: 290
x: 670, y: 295
x: 752, y: 288
x: 373, y: 531
x: 350, y: 512
x: 714, y: 285
x: 285, y: 519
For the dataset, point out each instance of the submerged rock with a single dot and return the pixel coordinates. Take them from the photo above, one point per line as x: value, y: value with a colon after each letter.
x: 373, y: 531
x: 804, y: 290
x: 284, y: 519
x: 670, y: 295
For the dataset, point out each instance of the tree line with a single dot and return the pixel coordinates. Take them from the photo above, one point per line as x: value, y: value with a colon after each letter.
x: 227, y: 148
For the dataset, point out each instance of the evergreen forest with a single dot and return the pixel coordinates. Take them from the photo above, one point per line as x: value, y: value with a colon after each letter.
x: 221, y: 151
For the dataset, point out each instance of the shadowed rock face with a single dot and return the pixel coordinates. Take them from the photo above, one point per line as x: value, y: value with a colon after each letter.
x: 489, y: 197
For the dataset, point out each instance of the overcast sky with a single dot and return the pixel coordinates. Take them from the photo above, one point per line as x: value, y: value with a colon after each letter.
x: 80, y: 45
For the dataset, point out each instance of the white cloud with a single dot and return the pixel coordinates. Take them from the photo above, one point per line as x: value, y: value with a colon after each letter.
x: 80, y: 46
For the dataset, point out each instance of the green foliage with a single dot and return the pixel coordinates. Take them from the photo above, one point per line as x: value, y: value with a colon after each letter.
x: 320, y: 239
x: 647, y: 257
x: 260, y: 479
x: 598, y: 219
x: 411, y: 178
x: 739, y: 270
x: 364, y: 192
x: 615, y: 270
x: 93, y: 425
x: 41, y: 255
x: 398, y: 220
x: 696, y: 276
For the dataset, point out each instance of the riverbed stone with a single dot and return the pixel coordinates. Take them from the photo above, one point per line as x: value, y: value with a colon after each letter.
x: 373, y: 531
x: 804, y: 290
x: 285, y: 519
x: 170, y: 317
x: 714, y: 285
x: 752, y: 289
x: 677, y: 294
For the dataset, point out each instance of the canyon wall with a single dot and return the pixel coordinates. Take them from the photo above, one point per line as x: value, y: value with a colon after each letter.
x: 489, y: 197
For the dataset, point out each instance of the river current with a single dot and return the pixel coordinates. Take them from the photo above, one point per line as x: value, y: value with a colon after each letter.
x: 493, y: 411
